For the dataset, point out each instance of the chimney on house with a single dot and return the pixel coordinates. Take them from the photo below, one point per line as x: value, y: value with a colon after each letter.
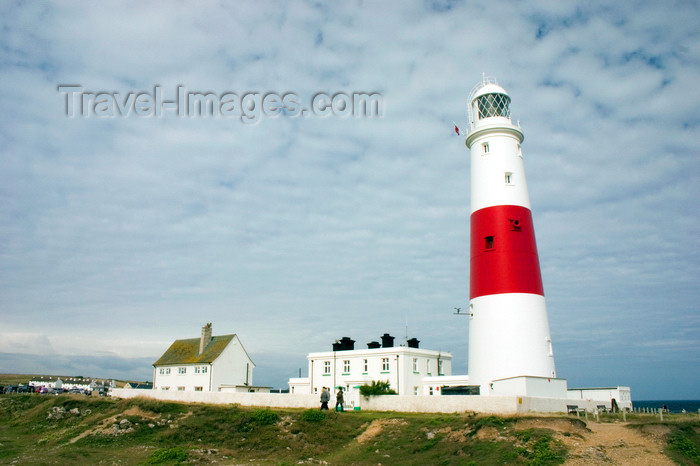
x: 387, y: 341
x: 206, y: 337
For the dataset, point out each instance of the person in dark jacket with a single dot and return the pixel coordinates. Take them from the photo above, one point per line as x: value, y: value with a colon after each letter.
x: 339, y: 400
x: 325, y: 398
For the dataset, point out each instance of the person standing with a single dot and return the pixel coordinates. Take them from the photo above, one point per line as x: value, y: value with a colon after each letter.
x: 325, y: 398
x: 339, y: 400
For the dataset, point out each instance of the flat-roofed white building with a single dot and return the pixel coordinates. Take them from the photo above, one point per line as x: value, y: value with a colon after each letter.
x: 404, y: 367
x: 601, y: 397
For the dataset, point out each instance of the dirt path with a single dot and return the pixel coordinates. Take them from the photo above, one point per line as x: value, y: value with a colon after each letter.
x: 617, y: 444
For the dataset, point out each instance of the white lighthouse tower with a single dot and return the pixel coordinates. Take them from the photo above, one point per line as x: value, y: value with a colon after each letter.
x: 508, y: 325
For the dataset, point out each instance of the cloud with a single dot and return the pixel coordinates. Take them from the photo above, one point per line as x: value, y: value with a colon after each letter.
x: 27, y: 343
x: 120, y: 235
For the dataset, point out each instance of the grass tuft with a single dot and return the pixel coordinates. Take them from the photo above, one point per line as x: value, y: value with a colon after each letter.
x: 168, y: 456
x: 313, y: 415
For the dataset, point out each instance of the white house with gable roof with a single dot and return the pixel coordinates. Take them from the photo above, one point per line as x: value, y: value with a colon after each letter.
x: 206, y: 364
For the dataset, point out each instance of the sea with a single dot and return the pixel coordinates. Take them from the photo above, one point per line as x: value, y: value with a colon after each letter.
x: 674, y: 406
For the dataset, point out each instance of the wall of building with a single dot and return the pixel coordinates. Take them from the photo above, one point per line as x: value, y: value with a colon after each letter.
x: 188, y: 381
x: 591, y: 398
x: 232, y: 367
x: 529, y: 386
x: 299, y: 385
x: 243, y: 389
x: 400, y: 372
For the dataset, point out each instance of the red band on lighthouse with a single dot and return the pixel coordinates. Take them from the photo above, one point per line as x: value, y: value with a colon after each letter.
x: 503, y: 252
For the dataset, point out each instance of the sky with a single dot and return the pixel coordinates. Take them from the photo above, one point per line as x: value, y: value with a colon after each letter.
x: 123, y: 228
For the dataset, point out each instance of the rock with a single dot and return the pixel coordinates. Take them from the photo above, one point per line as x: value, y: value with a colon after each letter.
x: 56, y: 412
x: 74, y: 411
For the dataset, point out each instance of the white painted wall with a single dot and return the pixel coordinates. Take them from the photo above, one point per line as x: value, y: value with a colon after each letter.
x: 244, y: 389
x: 401, y: 403
x: 187, y: 381
x: 400, y: 373
x: 529, y: 386
x: 299, y: 385
x: 590, y: 398
x: 232, y: 367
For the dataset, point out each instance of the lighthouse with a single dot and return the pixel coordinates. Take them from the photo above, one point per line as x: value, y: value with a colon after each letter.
x: 508, y: 325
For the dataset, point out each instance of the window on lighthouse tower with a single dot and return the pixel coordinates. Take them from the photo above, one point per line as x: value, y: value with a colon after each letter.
x: 488, y: 242
x: 493, y: 105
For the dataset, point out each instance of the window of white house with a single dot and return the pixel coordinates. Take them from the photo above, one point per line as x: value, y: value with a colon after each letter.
x: 180, y: 389
x: 346, y: 366
x: 326, y: 367
x: 165, y: 388
x: 385, y: 364
x: 440, y: 371
x: 430, y: 391
x: 197, y: 369
x: 181, y: 370
x: 167, y: 371
x: 415, y: 364
x: 204, y: 369
x: 365, y: 365
x: 161, y: 371
x: 415, y: 390
x: 427, y: 367
x: 197, y: 389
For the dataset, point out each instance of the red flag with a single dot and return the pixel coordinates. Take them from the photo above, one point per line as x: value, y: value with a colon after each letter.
x: 457, y: 130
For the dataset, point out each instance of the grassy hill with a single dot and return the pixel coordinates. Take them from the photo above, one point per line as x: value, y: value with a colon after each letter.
x: 47, y: 429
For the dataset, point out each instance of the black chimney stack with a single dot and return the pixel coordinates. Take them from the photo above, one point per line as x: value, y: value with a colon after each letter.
x: 373, y: 345
x: 387, y: 341
x: 347, y: 344
x: 413, y: 342
x: 344, y: 344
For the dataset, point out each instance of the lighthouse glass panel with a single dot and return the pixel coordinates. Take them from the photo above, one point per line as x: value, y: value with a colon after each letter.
x: 493, y: 105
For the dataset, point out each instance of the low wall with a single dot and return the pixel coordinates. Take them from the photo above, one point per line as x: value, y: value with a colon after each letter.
x: 272, y: 400
x: 400, y: 403
x: 459, y: 404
